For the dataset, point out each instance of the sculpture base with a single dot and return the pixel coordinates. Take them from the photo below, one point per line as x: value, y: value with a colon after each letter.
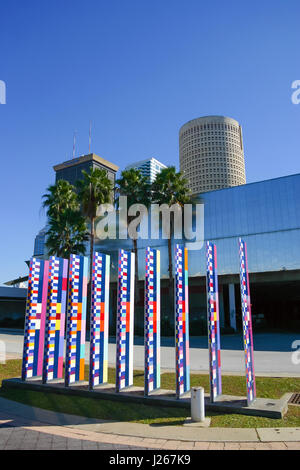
x: 268, y: 408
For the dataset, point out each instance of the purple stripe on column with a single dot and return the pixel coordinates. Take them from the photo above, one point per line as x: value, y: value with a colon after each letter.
x: 43, y: 319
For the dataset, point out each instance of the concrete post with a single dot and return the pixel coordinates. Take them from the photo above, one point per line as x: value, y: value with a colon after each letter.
x: 197, y: 404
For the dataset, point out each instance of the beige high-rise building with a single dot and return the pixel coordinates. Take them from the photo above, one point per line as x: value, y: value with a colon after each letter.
x: 211, y: 153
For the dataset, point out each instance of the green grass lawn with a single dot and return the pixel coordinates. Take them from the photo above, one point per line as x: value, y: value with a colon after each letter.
x: 111, y: 410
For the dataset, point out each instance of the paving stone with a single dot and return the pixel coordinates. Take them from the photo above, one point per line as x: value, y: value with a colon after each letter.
x: 6, y: 433
x: 74, y: 444
x: 120, y: 447
x: 102, y: 446
x: 12, y: 446
x: 170, y: 445
x: 59, y: 440
x: 12, y: 440
x: 232, y: 446
x: 263, y: 446
x: 186, y: 446
x: 31, y: 440
x: 27, y: 446
x: 248, y: 445
x: 201, y: 445
x: 43, y: 447
x: 45, y: 438
x: 89, y: 445
x: 293, y: 445
x: 59, y: 446
x: 133, y: 439
x: 137, y: 448
x: 118, y: 439
x: 277, y: 445
x: 150, y: 441
x: 216, y: 446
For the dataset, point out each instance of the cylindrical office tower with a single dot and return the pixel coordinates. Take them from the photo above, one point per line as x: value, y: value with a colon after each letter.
x: 211, y: 153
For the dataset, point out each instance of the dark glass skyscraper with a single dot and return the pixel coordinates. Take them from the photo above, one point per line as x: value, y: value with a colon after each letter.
x: 71, y: 169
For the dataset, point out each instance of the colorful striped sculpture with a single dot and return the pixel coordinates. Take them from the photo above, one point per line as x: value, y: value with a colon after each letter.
x: 76, y: 322
x: 125, y: 321
x: 152, y: 321
x: 99, y: 320
x: 35, y: 318
x: 55, y: 321
x: 247, y: 322
x: 213, y: 322
x: 182, y: 321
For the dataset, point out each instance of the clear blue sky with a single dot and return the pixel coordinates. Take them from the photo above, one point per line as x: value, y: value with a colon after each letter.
x: 138, y: 70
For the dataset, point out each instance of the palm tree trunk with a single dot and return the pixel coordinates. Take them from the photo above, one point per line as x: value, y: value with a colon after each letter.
x: 170, y: 253
x: 92, y: 237
x: 136, y: 257
x: 89, y: 293
x: 170, y: 261
x: 136, y: 274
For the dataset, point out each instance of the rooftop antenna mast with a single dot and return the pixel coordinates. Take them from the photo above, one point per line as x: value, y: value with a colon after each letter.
x: 90, y: 136
x: 74, y: 144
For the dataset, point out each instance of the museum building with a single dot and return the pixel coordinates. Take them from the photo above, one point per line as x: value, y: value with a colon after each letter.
x: 266, y: 214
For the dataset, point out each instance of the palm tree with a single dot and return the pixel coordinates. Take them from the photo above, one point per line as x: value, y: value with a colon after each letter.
x: 135, y: 187
x: 66, y: 234
x: 170, y: 188
x: 66, y: 228
x: 94, y: 189
x: 60, y: 196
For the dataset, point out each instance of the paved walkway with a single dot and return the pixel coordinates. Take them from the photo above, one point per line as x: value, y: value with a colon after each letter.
x: 25, y: 427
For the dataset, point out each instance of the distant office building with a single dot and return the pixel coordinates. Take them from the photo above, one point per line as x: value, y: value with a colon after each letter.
x: 71, y: 170
x: 211, y: 153
x: 149, y: 168
x: 39, y: 243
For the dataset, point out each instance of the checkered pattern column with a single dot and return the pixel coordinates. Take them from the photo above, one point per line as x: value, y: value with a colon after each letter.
x: 182, y: 321
x: 55, y: 321
x: 213, y: 322
x: 76, y: 321
x: 99, y: 320
x: 247, y: 322
x: 125, y: 321
x: 152, y: 321
x: 35, y: 318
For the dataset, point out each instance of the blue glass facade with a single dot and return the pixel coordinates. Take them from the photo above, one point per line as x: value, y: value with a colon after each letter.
x: 265, y: 214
